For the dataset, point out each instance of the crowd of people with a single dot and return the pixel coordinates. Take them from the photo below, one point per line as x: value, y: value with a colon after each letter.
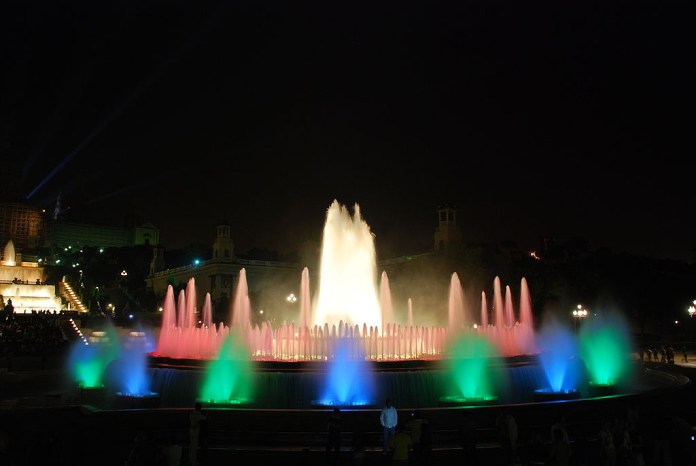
x: 662, y: 353
x: 36, y: 334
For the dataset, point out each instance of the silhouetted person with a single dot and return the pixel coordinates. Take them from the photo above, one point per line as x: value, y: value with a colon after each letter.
x: 559, y: 453
x: 359, y: 456
x: 415, y: 426
x: 171, y: 452
x: 607, y: 452
x: 145, y: 451
x: 197, y: 421
x: 507, y: 434
x: 333, y: 443
x: 685, y: 358
x: 9, y: 307
x: 467, y: 435
x: 388, y: 418
x: 559, y: 426
x: 426, y: 443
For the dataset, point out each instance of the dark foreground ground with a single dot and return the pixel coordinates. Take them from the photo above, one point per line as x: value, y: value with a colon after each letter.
x: 41, y: 423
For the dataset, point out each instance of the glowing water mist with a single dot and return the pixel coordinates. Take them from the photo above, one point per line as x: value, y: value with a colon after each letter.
x: 605, y: 347
x: 468, y: 367
x: 129, y: 373
x: 347, y: 289
x: 229, y: 377
x: 349, y: 380
x: 559, y: 357
x: 87, y: 362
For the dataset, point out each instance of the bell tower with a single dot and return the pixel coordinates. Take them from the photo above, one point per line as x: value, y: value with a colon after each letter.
x: 223, y: 246
x: 447, y: 233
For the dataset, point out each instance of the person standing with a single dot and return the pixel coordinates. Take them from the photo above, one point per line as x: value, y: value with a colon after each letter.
x: 389, y: 419
x: 416, y: 425
x: 333, y: 444
x: 9, y: 308
x: 507, y: 433
x: 559, y: 453
x: 196, y: 422
x: 400, y: 444
x: 467, y: 432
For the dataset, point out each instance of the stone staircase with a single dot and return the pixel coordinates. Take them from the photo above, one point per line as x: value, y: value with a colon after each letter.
x: 67, y: 292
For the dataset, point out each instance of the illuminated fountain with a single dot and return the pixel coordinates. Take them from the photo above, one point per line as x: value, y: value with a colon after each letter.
x: 561, y: 363
x: 228, y: 378
x: 108, y: 370
x: 88, y: 361
x: 349, y: 304
x: 469, y: 366
x: 605, y: 347
x: 128, y: 377
x: 348, y: 348
x: 349, y: 380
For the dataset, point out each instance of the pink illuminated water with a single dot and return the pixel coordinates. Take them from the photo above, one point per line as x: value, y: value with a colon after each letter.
x: 510, y: 335
x: 350, y: 310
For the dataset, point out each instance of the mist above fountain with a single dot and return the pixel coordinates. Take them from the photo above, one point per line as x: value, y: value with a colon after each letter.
x: 352, y: 306
x: 87, y: 362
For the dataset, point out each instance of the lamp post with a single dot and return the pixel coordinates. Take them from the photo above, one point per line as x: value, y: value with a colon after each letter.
x: 578, y: 313
x: 692, y: 310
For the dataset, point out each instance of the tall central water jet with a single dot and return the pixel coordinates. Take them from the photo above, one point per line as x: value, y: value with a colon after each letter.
x: 347, y: 288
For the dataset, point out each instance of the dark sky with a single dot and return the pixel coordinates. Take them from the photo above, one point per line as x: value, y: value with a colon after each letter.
x: 553, y: 118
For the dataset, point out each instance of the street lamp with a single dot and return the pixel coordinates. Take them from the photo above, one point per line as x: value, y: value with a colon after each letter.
x: 291, y: 298
x: 578, y: 313
x: 691, y: 310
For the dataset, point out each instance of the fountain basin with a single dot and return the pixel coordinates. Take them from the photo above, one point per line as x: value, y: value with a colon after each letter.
x: 453, y: 401
x: 601, y: 389
x: 95, y: 396
x: 150, y: 400
x: 543, y: 395
x: 231, y: 403
x: 414, y: 384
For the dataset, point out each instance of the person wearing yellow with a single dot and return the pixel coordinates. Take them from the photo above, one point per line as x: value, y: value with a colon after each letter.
x: 400, y: 444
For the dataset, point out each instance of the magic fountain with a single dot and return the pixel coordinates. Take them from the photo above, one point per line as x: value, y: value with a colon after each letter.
x: 348, y: 348
x: 349, y: 308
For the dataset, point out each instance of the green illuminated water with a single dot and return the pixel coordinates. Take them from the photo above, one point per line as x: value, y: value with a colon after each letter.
x: 87, y: 363
x: 468, y: 368
x: 605, y: 347
x: 229, y: 377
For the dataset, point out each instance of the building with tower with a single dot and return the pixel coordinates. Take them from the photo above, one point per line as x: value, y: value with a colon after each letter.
x: 447, y: 236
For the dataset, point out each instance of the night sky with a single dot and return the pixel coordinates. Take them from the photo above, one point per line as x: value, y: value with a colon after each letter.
x: 535, y: 119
